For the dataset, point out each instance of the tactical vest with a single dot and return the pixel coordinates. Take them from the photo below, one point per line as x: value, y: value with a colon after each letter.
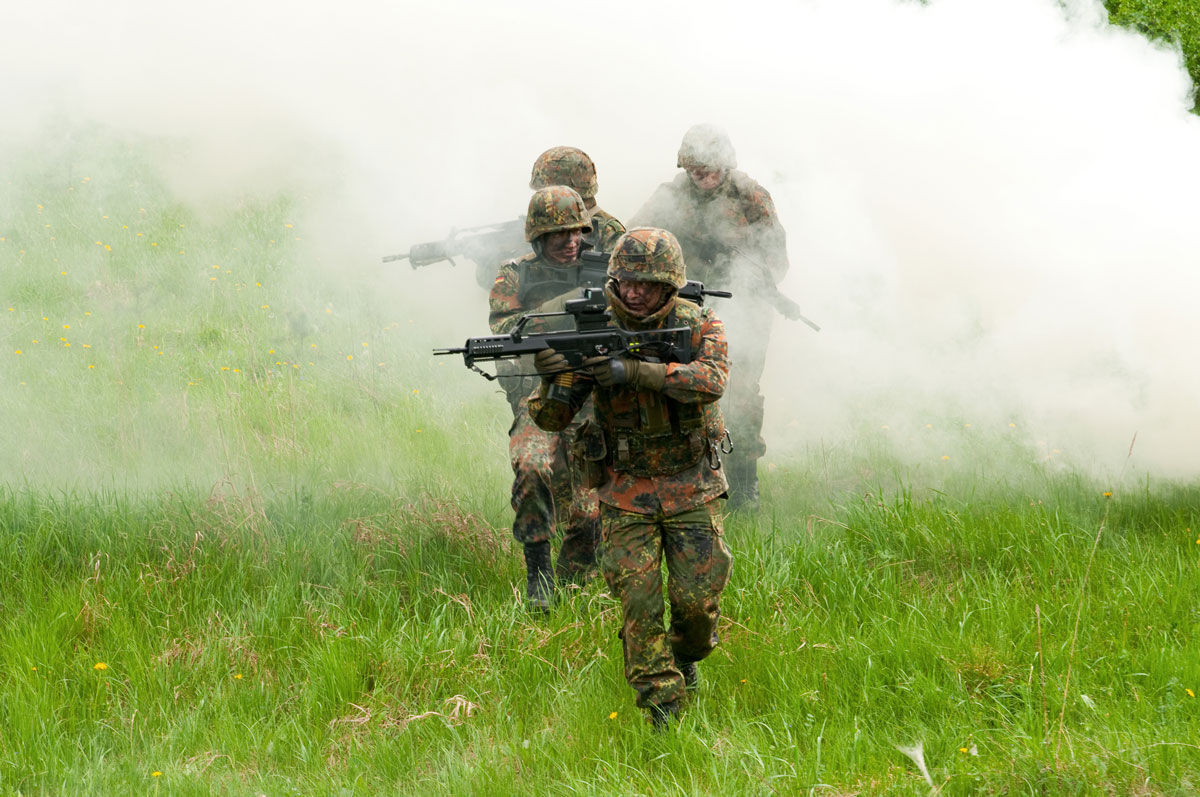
x: 661, y: 436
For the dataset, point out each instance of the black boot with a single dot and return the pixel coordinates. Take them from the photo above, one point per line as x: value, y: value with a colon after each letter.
x: 661, y: 716
x: 743, y: 485
x: 539, y: 585
x: 691, y: 676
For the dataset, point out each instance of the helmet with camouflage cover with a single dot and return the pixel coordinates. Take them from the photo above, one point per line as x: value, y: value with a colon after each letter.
x: 565, y: 166
x: 706, y: 146
x: 555, y: 208
x: 648, y: 254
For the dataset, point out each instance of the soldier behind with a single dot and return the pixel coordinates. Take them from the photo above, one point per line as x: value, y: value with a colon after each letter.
x: 573, y: 168
x: 731, y: 239
x: 543, y: 482
x: 651, y: 450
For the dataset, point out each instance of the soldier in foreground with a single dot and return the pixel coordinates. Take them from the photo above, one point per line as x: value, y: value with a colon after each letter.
x: 652, y: 451
x: 731, y: 238
x: 544, y: 485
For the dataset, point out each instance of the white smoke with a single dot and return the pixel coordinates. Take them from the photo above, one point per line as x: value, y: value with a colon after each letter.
x: 990, y: 203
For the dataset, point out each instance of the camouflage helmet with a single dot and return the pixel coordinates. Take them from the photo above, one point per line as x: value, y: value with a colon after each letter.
x: 555, y: 208
x: 565, y: 166
x: 648, y: 254
x: 706, y: 146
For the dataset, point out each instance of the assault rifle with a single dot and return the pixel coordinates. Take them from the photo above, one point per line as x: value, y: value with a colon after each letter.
x: 594, y: 335
x: 487, y: 245
x: 760, y: 278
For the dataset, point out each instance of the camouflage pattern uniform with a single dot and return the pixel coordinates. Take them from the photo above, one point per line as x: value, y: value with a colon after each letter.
x: 731, y: 239
x: 653, y: 451
x: 546, y: 491
x: 572, y: 167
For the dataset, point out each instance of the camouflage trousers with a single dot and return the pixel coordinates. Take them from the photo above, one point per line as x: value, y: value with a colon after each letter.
x: 546, y: 494
x: 698, y: 565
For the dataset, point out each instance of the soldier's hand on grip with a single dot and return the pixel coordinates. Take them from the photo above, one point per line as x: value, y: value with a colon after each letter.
x: 613, y: 371
x: 548, y: 362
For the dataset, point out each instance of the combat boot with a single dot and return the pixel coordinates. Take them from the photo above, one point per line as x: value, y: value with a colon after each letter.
x: 539, y: 585
x: 743, y: 485
x: 691, y: 676
x: 662, y: 715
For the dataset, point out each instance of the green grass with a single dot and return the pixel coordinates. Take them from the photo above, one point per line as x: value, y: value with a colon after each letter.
x: 297, y: 570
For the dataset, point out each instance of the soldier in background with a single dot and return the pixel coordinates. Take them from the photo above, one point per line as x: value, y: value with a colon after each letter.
x: 544, y: 482
x: 573, y: 168
x: 651, y: 450
x: 731, y: 239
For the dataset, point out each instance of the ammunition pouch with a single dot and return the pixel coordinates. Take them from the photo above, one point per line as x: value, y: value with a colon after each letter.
x: 589, y: 454
x: 663, y: 450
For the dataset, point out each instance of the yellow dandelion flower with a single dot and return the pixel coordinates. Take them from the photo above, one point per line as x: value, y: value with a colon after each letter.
x: 40, y: 207
x: 156, y: 774
x: 264, y: 307
x: 1190, y: 692
x: 963, y: 750
x: 141, y: 326
x: 107, y: 248
x: 45, y: 318
x: 328, y: 311
x: 87, y: 312
x: 99, y: 243
x: 349, y: 356
x: 88, y: 346
x: 237, y: 676
x: 929, y: 426
x: 18, y: 351
x: 11, y: 310
x: 743, y: 680
x: 418, y: 431
x: 212, y: 279
x: 289, y: 226
x: 364, y: 344
x: 1108, y: 495
x: 66, y: 345
x: 101, y: 666
x: 885, y: 427
x: 945, y: 457
x: 258, y: 285
x: 33, y: 668
x: 415, y: 391
x: 139, y: 235
x: 154, y: 243
x: 270, y: 351
x: 124, y: 226
x: 612, y: 716
x: 66, y: 326
x: 1012, y: 426
x: 237, y: 370
x: 297, y: 365
x: 224, y: 367
x: 91, y: 366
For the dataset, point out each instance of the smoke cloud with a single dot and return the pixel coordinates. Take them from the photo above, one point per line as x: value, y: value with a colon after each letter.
x: 990, y: 204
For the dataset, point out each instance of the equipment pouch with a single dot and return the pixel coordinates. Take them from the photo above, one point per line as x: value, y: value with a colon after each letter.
x: 588, y: 455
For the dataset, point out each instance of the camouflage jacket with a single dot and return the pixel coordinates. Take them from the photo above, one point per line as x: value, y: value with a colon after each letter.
x: 658, y: 448
x: 714, y: 226
x: 605, y: 230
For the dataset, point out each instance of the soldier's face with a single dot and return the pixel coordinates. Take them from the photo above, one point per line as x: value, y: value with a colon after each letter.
x: 643, y: 298
x: 562, y: 247
x: 704, y: 178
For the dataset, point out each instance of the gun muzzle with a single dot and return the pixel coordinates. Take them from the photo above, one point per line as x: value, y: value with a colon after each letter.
x: 461, y: 350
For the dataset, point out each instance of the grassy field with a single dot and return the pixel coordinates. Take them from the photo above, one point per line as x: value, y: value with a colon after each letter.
x: 254, y: 540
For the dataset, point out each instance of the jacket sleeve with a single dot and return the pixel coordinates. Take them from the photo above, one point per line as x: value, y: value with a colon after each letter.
x: 702, y: 380
x: 766, y: 236
x: 554, y: 416
x: 504, y: 309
